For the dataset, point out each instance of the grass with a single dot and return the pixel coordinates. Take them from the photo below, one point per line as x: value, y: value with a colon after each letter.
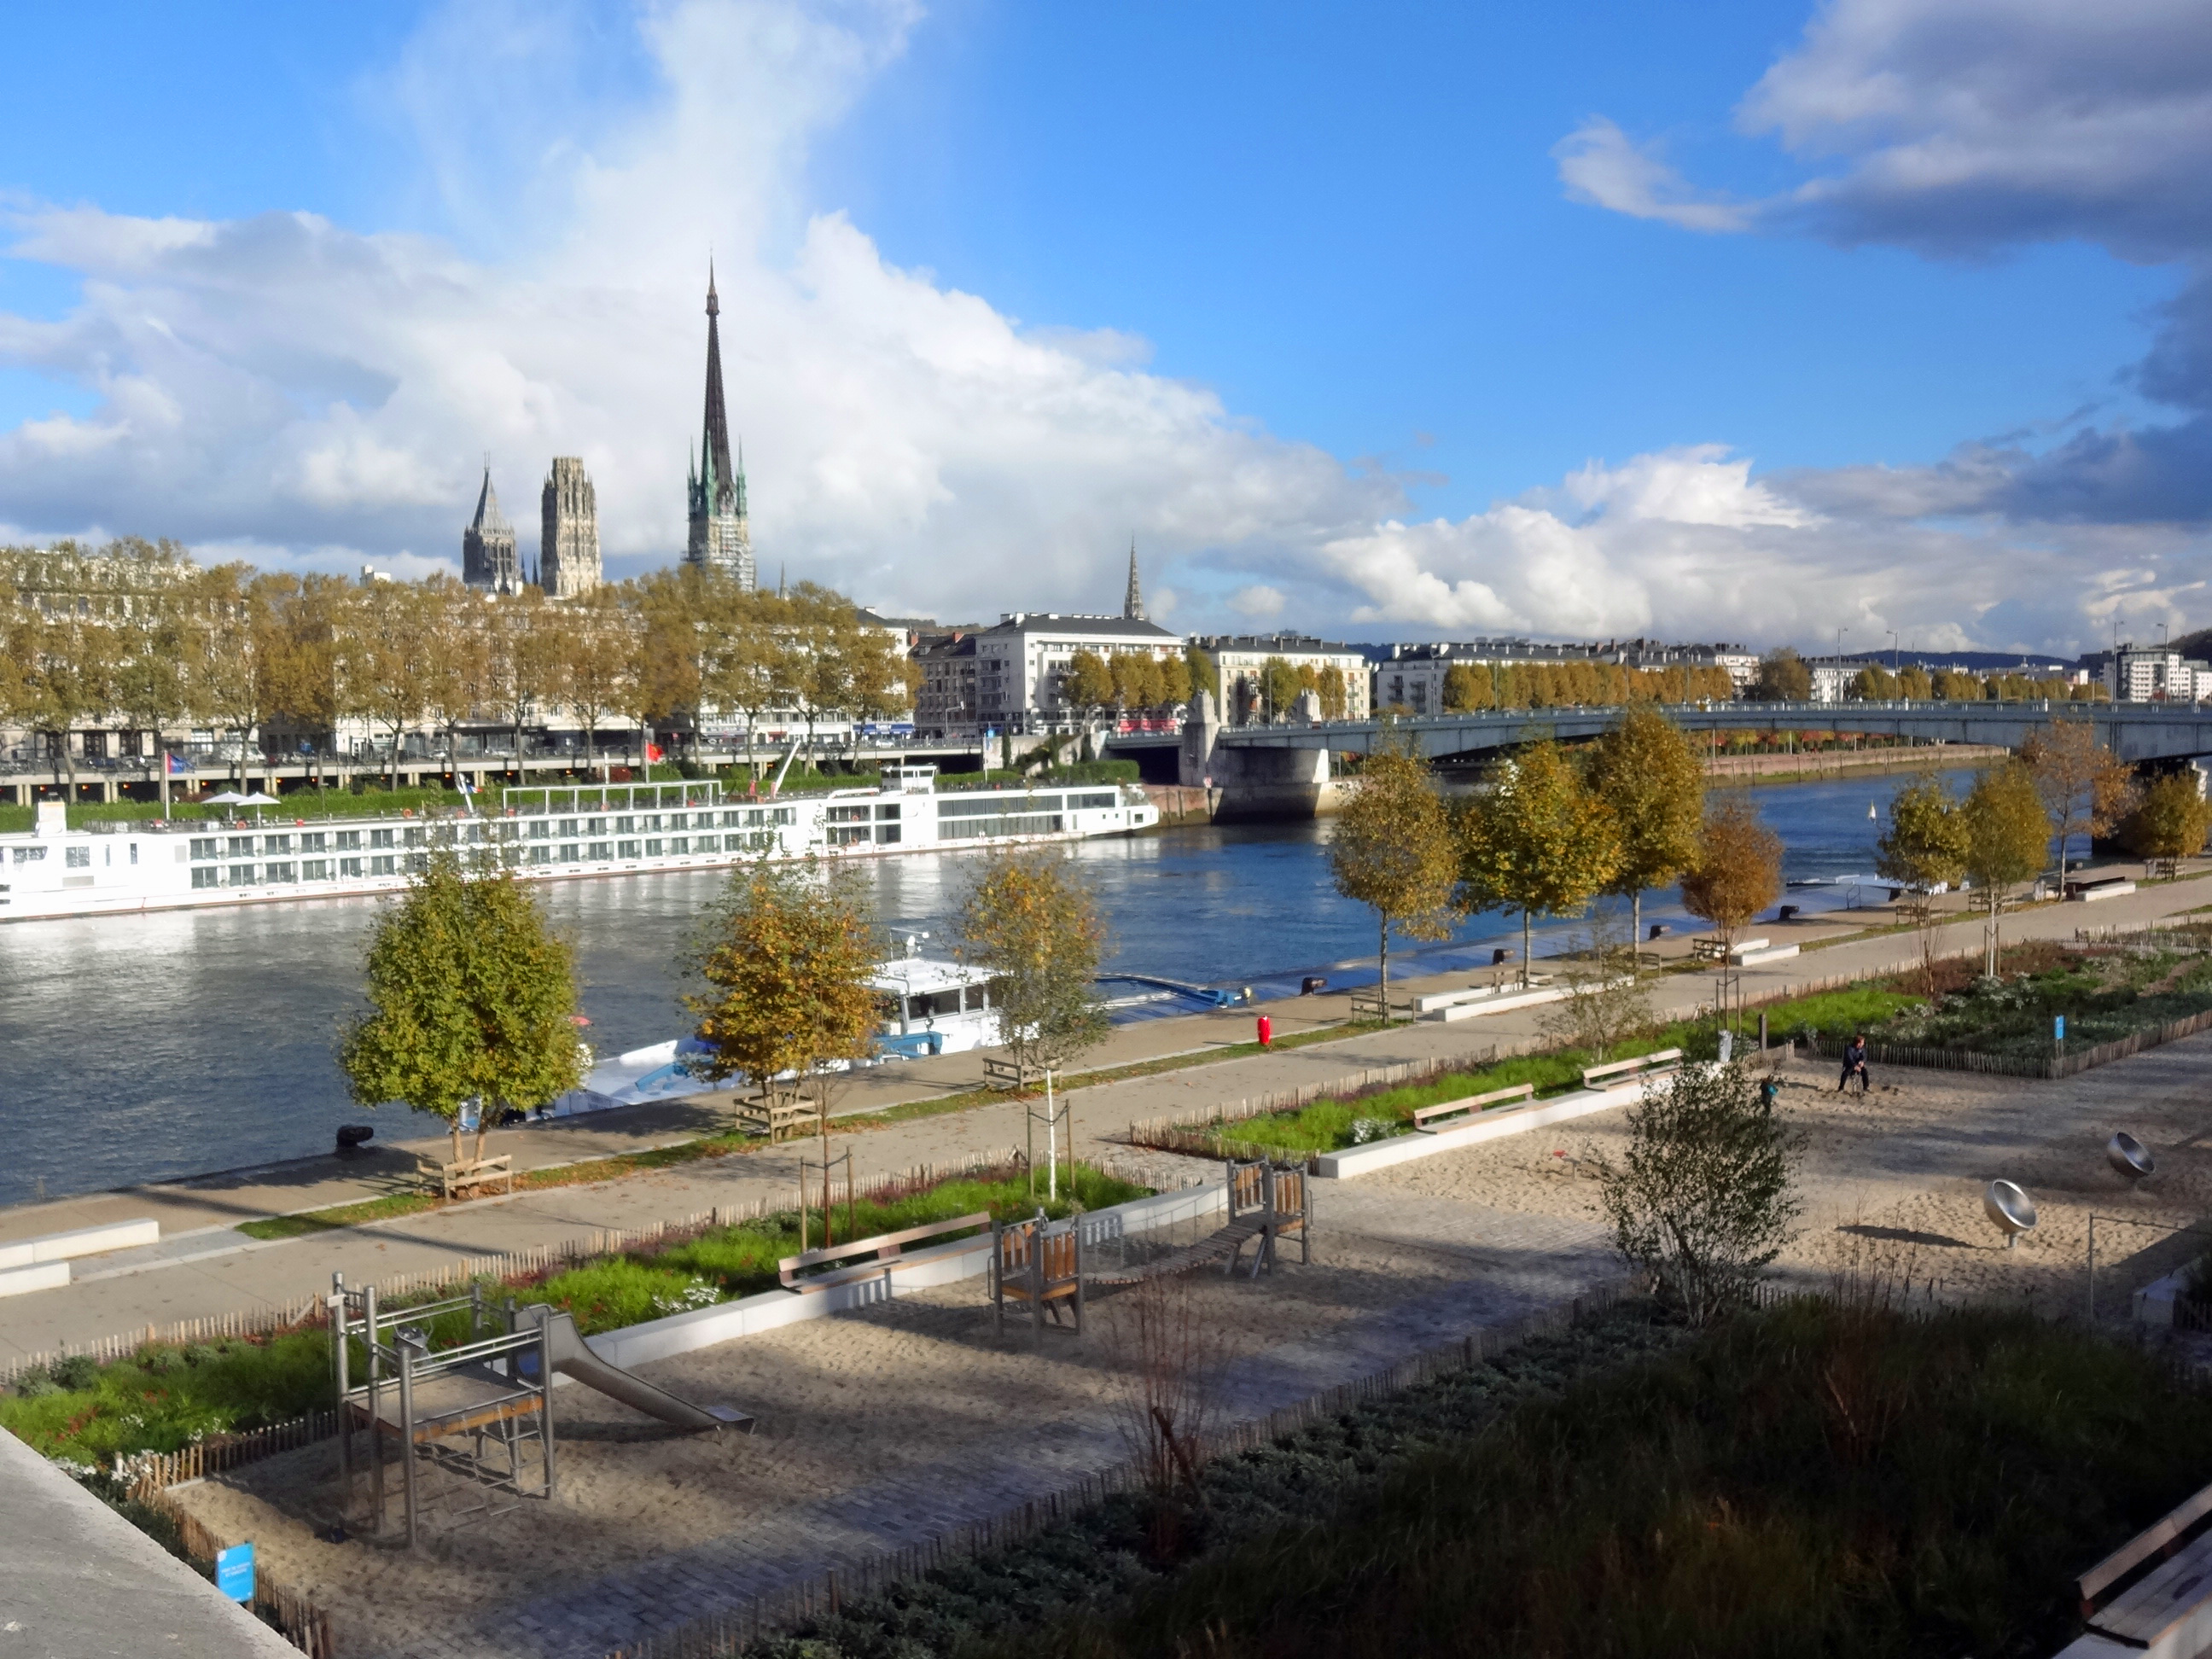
x: 164, y: 1398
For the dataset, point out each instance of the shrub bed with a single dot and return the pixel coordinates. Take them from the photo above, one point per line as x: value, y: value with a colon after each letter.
x: 1810, y: 1479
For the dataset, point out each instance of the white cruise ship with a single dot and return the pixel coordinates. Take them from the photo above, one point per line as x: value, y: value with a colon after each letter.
x: 542, y: 833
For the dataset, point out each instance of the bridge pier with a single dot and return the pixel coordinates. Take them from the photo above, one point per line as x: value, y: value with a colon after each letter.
x: 1253, y: 785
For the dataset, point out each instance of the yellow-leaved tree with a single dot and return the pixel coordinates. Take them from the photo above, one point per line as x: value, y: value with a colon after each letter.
x: 1540, y: 842
x: 1392, y: 850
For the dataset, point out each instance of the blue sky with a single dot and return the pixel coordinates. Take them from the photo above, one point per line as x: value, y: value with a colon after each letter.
x: 1390, y: 320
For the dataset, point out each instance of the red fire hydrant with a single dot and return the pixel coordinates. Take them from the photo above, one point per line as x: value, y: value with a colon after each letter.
x: 1267, y: 1030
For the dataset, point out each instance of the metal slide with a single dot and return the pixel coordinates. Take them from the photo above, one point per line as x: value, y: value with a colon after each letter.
x: 566, y: 1352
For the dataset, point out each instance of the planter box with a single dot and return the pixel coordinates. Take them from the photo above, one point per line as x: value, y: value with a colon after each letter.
x: 84, y: 1241
x: 1491, y: 1125
x: 2103, y: 889
x: 42, y: 1276
x: 1769, y: 953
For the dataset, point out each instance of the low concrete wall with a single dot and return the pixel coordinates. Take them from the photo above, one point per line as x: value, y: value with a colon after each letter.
x: 937, y: 1264
x: 83, y: 1241
x: 1354, y: 1161
x: 40, y: 1276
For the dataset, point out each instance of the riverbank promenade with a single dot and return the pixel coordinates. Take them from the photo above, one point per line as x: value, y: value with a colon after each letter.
x: 203, y: 1266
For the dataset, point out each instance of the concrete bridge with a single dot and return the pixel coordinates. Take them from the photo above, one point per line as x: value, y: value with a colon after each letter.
x: 1283, y: 769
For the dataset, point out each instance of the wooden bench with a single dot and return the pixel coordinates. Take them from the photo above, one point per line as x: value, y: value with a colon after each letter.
x: 775, y: 1119
x: 883, y: 1248
x: 1038, y: 1264
x: 2173, y: 1591
x: 1622, y: 1073
x: 471, y: 1174
x: 1425, y: 1118
x: 1367, y: 1005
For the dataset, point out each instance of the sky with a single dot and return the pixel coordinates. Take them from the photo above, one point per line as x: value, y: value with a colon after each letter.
x: 1744, y: 321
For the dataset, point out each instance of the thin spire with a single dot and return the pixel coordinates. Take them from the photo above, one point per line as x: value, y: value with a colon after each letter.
x: 1132, y: 602
x: 714, y: 441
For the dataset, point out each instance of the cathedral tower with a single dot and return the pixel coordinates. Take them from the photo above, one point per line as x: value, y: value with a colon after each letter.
x: 1133, y: 602
x: 720, y: 536
x: 489, y: 559
x: 568, y: 542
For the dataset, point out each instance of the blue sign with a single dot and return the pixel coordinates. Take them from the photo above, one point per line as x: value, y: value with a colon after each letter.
x: 233, y: 1572
x: 2058, y: 1028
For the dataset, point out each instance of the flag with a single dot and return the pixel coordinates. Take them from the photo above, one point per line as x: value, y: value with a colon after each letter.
x: 651, y: 752
x: 179, y: 766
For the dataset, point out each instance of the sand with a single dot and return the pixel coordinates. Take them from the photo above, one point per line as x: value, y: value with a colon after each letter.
x: 1893, y: 1181
x: 844, y: 1406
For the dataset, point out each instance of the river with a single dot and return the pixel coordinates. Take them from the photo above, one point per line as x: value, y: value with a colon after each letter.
x: 149, y: 1047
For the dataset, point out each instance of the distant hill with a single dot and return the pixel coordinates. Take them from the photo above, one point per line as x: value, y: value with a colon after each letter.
x: 2196, y: 646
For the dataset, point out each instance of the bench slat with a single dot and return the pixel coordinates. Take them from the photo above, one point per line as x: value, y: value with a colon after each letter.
x: 2144, y: 1545
x: 2143, y: 1614
x: 1472, y: 1102
x: 1591, y: 1074
x: 885, y: 1247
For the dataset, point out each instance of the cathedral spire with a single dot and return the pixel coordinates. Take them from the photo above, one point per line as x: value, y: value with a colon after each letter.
x: 1133, y: 603
x: 719, y: 535
x: 714, y: 447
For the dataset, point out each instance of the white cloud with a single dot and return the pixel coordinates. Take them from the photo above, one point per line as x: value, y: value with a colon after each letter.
x: 1258, y: 603
x: 1601, y: 165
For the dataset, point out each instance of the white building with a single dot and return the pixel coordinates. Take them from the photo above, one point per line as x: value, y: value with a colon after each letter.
x: 1240, y: 662
x: 1022, y: 664
x: 2136, y: 673
x: 1412, y: 676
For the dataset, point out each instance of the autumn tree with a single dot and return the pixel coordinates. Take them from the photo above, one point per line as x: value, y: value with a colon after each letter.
x: 522, y: 659
x: 1204, y: 674
x: 384, y: 661
x: 598, y: 661
x: 1925, y: 848
x: 1031, y: 922
x: 1648, y: 774
x: 472, y: 998
x: 1335, y: 695
x: 1392, y: 850
x: 2008, y: 839
x: 1539, y: 841
x: 1089, y: 684
x: 2086, y: 788
x: 1174, y: 681
x: 1782, y: 678
x: 787, y: 952
x: 1465, y: 688
x: 2169, y: 823
x: 1912, y: 682
x: 1738, y: 872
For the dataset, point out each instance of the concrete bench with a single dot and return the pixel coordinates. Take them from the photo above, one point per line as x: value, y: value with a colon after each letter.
x: 79, y: 1241
x: 1622, y: 1073
x: 2087, y: 892
x: 1749, y: 958
x: 1427, y: 1118
x: 2168, y: 1611
x: 1710, y: 949
x: 884, y: 1251
x: 33, y: 1276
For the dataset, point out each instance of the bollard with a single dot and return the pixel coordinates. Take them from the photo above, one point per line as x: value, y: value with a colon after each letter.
x: 1267, y: 1030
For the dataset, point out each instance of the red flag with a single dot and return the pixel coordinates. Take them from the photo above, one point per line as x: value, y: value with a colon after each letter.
x: 652, y: 751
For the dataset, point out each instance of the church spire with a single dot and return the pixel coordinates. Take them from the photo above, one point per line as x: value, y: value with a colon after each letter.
x: 719, y: 537
x: 1133, y: 603
x: 714, y: 446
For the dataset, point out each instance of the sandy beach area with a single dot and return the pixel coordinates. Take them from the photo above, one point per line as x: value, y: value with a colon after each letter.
x: 1893, y: 1181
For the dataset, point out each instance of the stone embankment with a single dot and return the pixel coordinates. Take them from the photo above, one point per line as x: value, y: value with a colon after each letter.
x: 1806, y: 766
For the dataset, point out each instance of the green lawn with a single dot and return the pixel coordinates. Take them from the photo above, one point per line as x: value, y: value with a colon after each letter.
x: 164, y: 1398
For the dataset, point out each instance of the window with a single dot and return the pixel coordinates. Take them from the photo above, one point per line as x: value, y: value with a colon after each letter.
x: 977, y: 999
x: 887, y: 834
x: 242, y: 847
x: 625, y: 826
x: 930, y: 1003
x: 206, y: 878
x: 348, y: 868
x: 891, y: 811
x: 848, y: 815
x: 204, y: 847
x: 652, y: 821
x: 848, y: 835
x: 600, y: 850
x: 680, y: 845
x: 315, y: 870
x: 77, y: 857
x: 571, y: 854
x: 134, y: 852
x: 241, y: 875
x: 415, y: 837
x: 276, y: 844
x: 385, y: 865
x: 679, y: 820
x: 29, y: 854
x: 315, y: 843
x: 1079, y: 803
x: 654, y: 849
x: 379, y: 838
x: 350, y: 841
x: 595, y: 826
x: 539, y: 829
x: 708, y: 843
x: 627, y: 849
x: 281, y: 873
x: 568, y: 828
x: 418, y: 862
x: 541, y: 855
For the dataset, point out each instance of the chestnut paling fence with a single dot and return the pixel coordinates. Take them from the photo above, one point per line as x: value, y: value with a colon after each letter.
x: 302, y: 1624
x: 1201, y: 1134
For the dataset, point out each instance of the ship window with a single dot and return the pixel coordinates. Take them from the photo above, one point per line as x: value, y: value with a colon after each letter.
x: 204, y: 847
x: 601, y: 850
x: 930, y: 1003
x: 596, y: 827
x: 891, y: 811
x: 387, y: 865
x: 418, y: 862
x: 848, y: 815
x: 846, y: 835
x: 276, y: 844
x: 627, y: 849
x: 651, y: 822
x: 315, y: 843
x: 284, y: 872
x: 414, y: 837
x: 887, y: 834
x: 315, y: 870
x: 242, y: 847
x: 134, y: 852
x: 77, y: 857
x: 348, y: 867
x: 625, y: 826
x: 241, y: 875
x: 206, y: 878
x: 29, y: 854
x: 540, y: 830
x: 571, y: 852
x: 976, y: 999
x: 541, y: 855
x: 350, y: 841
x: 708, y: 843
x: 784, y: 815
x: 1078, y: 803
x: 379, y: 838
x: 654, y: 849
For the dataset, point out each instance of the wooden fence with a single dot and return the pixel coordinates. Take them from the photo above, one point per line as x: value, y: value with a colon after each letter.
x: 301, y: 1623
x: 149, y: 1473
x: 2059, y: 1063
x: 518, y: 1266
x: 1199, y: 1133
x: 726, y: 1634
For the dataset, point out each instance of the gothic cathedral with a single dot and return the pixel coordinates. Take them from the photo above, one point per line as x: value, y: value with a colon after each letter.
x: 719, y: 534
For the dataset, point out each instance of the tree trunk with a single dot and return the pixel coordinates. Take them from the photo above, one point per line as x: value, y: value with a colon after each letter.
x: 1524, y: 949
x: 1636, y: 934
x: 1385, y: 932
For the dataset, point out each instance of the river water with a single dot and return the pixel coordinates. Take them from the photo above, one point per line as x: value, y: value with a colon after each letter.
x: 140, y: 1049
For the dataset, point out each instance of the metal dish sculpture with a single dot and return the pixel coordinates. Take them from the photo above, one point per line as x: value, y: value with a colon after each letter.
x: 2129, y: 1156
x: 2010, y: 1210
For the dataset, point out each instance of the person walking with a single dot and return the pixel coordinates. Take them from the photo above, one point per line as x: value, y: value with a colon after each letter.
x: 1855, y: 1064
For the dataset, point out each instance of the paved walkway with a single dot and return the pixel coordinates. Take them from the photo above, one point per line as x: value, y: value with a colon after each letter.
x: 207, y: 1270
x: 1515, y: 1265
